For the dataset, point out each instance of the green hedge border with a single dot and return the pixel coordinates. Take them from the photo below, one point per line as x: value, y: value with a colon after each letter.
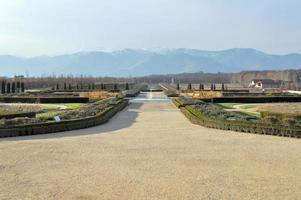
x: 196, y: 117
x: 52, y: 127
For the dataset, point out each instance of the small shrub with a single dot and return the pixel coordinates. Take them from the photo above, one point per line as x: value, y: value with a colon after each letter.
x: 289, y: 121
x: 271, y: 120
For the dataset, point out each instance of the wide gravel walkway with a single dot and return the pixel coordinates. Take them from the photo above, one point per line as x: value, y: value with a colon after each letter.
x: 150, y: 151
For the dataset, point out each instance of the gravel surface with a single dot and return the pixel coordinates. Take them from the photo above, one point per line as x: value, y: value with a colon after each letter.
x: 150, y: 151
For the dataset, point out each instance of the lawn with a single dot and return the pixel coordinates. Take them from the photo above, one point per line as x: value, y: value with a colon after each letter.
x: 48, y: 115
x: 229, y: 105
x: 70, y: 106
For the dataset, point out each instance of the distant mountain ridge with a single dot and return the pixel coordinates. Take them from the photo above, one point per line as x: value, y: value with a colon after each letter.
x: 131, y: 62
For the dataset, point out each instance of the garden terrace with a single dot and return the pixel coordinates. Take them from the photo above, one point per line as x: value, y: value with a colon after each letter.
x: 214, y: 116
x: 83, y: 117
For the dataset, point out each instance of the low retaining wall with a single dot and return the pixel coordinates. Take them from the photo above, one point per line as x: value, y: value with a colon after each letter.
x: 52, y: 127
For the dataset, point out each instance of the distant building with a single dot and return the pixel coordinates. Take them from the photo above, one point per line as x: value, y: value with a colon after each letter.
x: 265, y: 83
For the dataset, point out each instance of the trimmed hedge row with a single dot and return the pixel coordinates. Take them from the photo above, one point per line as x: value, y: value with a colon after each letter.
x: 14, y: 115
x: 196, y: 117
x: 280, y: 115
x: 44, y: 99
x: 255, y: 99
x: 52, y: 127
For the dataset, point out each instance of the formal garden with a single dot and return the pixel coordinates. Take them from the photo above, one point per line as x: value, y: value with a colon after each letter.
x: 266, y: 121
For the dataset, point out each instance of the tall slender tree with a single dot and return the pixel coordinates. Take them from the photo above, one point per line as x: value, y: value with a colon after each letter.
x: 13, y: 87
x: 8, y: 87
x: 3, y: 87
x: 18, y: 86
x: 22, y: 87
x: 189, y: 87
x: 223, y: 86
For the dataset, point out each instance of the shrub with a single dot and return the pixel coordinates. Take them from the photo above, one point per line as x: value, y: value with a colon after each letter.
x: 271, y: 120
x: 289, y: 121
x: 189, y: 87
x: 206, y: 115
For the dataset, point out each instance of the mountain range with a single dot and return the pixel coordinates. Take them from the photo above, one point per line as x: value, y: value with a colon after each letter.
x: 132, y: 62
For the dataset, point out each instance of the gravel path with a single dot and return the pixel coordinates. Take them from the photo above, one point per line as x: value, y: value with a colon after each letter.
x: 150, y: 151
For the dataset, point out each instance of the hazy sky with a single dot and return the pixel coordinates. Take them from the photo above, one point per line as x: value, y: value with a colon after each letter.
x: 35, y: 27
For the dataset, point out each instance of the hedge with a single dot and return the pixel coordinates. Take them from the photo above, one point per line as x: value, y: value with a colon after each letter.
x: 44, y: 99
x: 52, y: 127
x: 196, y: 117
x: 255, y: 99
x: 21, y: 114
x: 281, y: 115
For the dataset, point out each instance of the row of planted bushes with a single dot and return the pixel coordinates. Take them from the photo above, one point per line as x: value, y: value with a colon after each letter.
x: 21, y: 114
x: 197, y: 117
x: 52, y: 127
x: 25, y: 99
x: 255, y: 99
x: 281, y: 115
x: 290, y: 119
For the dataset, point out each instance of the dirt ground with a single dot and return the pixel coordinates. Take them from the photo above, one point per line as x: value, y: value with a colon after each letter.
x: 150, y: 151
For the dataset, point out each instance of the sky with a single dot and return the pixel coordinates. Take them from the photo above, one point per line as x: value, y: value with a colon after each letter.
x: 50, y: 27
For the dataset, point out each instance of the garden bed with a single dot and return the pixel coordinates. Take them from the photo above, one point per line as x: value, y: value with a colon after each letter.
x: 213, y: 116
x: 100, y: 117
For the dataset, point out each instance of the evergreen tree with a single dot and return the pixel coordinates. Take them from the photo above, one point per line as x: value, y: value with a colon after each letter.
x: 22, y: 87
x: 65, y: 86
x: 127, y: 87
x: 69, y: 86
x: 3, y: 87
x: 8, y: 88
x: 223, y: 86
x: 57, y: 86
x: 211, y: 87
x: 178, y: 86
x: 200, y: 86
x: 115, y: 86
x: 18, y: 86
x: 189, y: 86
x: 13, y: 87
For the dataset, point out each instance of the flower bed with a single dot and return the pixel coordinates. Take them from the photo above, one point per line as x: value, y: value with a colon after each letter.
x: 212, y: 117
x: 51, y: 126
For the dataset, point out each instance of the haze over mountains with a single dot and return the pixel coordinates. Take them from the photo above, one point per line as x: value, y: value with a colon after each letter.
x: 130, y: 62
